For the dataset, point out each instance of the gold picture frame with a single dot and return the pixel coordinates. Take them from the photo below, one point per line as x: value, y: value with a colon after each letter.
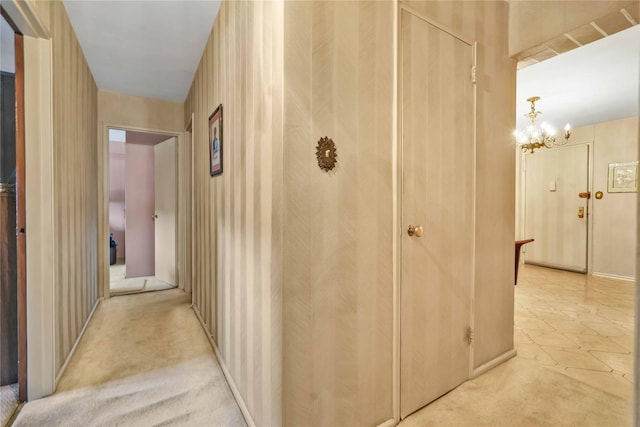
x: 623, y: 177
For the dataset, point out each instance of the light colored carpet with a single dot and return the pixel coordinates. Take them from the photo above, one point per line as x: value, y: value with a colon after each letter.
x: 119, y: 284
x: 192, y: 393
x: 9, y: 401
x: 144, y: 360
x: 138, y: 284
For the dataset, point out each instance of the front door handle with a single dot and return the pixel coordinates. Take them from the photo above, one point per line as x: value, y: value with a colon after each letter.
x: 581, y: 212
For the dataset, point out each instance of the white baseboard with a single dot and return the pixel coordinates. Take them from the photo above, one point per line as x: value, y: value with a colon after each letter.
x: 75, y: 344
x: 389, y: 423
x: 493, y: 363
x: 614, y: 276
x: 232, y: 385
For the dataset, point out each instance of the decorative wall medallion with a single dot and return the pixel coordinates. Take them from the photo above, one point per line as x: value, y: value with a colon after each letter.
x: 327, y: 154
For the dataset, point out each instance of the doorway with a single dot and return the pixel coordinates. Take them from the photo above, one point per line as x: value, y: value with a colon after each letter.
x: 437, y: 212
x: 555, y: 212
x: 142, y: 211
x: 12, y: 221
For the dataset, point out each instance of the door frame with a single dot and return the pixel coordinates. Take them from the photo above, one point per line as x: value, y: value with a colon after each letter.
x: 190, y: 230
x: 37, y: 361
x: 103, y: 226
x: 21, y: 217
x: 397, y: 177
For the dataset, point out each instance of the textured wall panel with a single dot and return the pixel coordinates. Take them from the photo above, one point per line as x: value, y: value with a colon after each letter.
x: 338, y: 225
x: 75, y: 184
x: 237, y: 214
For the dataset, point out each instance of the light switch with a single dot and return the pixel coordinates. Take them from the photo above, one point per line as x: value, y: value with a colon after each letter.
x: 552, y: 185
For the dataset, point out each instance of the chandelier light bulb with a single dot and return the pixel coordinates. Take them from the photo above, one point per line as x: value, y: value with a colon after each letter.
x: 538, y: 135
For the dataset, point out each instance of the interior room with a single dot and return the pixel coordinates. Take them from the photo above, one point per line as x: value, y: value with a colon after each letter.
x: 142, y: 206
x: 334, y: 191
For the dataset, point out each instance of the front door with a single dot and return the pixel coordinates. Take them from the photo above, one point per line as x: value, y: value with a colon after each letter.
x: 555, y: 214
x: 437, y: 212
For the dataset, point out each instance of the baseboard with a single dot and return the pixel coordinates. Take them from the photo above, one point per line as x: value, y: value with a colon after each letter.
x: 493, y: 363
x: 75, y: 344
x: 232, y: 385
x: 614, y: 276
x: 389, y: 423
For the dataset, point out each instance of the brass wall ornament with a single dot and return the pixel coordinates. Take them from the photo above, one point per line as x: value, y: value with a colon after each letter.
x: 326, y: 153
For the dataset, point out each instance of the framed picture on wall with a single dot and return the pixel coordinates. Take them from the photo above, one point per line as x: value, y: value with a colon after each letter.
x: 215, y: 142
x: 623, y: 177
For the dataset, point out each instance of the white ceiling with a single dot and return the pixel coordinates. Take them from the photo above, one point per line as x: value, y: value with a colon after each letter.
x: 144, y: 48
x: 594, y: 83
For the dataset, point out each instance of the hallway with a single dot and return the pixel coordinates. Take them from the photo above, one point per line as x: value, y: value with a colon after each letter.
x: 144, y: 360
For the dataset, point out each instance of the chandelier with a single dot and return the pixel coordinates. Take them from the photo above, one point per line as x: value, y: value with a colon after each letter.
x: 534, y: 136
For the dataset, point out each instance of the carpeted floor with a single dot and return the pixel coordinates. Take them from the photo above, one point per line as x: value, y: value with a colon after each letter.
x: 120, y: 285
x: 9, y: 402
x: 143, y: 361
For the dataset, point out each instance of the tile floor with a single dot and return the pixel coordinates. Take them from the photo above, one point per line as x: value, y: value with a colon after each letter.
x: 578, y: 325
x: 574, y: 336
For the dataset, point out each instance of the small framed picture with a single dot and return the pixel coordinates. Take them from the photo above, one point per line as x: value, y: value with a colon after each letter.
x: 215, y: 142
x: 623, y: 177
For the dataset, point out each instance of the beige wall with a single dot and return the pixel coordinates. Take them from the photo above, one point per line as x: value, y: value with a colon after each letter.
x: 237, y: 287
x: 75, y: 184
x: 532, y: 22
x: 139, y: 113
x: 134, y: 112
x: 338, y: 234
x: 612, y: 228
x: 495, y: 168
x: 614, y: 216
x: 333, y: 270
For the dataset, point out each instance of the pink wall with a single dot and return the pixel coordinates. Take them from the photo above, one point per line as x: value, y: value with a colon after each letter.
x: 139, y: 201
x: 116, y: 195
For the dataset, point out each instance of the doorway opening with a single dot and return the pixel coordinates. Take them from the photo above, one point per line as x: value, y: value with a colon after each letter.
x: 12, y: 221
x: 142, y: 211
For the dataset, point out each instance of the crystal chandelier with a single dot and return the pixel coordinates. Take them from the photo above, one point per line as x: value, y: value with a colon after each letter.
x: 534, y: 136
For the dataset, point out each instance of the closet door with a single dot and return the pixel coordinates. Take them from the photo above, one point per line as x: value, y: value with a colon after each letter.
x: 437, y: 212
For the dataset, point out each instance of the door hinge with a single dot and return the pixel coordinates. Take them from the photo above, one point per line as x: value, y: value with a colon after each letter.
x: 473, y: 74
x: 469, y: 336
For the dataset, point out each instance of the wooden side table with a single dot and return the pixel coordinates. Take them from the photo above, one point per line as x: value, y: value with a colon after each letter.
x: 519, y: 244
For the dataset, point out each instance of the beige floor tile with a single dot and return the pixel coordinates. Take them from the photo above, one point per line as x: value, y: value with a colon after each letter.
x: 534, y: 352
x: 553, y: 339
x: 625, y: 341
x: 533, y: 325
x: 571, y: 326
x: 604, y: 381
x: 617, y: 361
x: 520, y: 337
x: 596, y: 342
x: 606, y: 329
x: 575, y: 359
x: 549, y: 314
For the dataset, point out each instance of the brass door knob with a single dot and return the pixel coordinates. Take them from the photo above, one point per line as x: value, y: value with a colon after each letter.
x: 415, y: 230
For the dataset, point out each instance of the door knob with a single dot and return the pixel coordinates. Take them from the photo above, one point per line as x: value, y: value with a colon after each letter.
x: 415, y: 230
x: 581, y: 212
x: 153, y: 217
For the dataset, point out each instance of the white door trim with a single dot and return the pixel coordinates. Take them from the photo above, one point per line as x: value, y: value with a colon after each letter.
x: 103, y: 195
